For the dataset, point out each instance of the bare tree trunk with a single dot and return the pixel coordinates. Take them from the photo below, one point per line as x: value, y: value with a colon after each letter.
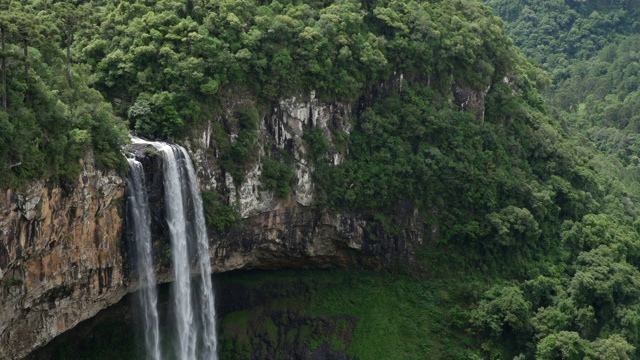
x: 68, y: 33
x: 4, y: 69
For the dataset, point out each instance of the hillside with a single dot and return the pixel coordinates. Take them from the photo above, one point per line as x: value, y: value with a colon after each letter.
x: 515, y: 161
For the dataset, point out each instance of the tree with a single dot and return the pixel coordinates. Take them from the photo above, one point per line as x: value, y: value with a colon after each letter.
x: 7, y: 26
x: 502, y: 307
x: 603, y: 277
x: 70, y: 17
x: 28, y: 31
x: 155, y: 116
x: 514, y: 226
x: 615, y: 347
x: 565, y: 345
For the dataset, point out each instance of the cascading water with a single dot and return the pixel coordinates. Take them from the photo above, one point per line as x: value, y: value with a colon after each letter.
x: 209, y: 338
x: 138, y: 210
x: 193, y: 305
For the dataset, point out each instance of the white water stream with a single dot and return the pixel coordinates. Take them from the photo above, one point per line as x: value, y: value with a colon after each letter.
x: 141, y: 221
x: 193, y: 305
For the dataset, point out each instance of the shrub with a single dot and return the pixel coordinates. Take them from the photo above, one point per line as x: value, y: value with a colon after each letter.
x: 276, y: 177
x: 218, y: 216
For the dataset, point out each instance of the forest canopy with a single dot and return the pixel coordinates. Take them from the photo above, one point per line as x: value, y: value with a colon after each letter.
x: 164, y: 64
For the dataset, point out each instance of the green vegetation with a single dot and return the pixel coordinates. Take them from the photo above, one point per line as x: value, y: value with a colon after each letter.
x: 317, y: 146
x: 539, y: 195
x: 390, y: 316
x: 535, y: 194
x: 276, y: 176
x: 218, y: 216
x: 236, y: 155
x: 170, y: 63
x: 559, y: 33
x: 50, y: 116
x: 579, y: 305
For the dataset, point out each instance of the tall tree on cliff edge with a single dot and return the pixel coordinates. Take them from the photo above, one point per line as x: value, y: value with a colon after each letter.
x: 3, y: 36
x: 6, y: 27
x: 29, y: 31
x: 70, y: 18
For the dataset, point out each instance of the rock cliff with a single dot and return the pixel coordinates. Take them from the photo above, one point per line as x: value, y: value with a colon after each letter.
x: 292, y: 232
x: 64, y: 254
x: 60, y: 261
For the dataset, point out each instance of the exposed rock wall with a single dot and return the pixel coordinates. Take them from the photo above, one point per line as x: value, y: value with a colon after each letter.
x: 60, y: 261
x: 301, y: 237
x: 291, y: 232
x: 283, y: 127
x: 471, y: 99
x: 64, y: 255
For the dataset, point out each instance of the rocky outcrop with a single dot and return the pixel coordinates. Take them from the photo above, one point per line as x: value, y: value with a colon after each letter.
x: 60, y: 261
x: 291, y: 232
x: 282, y: 128
x: 471, y: 99
x: 285, y: 234
x: 301, y: 237
x: 286, y: 126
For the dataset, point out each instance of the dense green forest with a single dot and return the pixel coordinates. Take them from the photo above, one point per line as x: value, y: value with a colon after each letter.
x: 50, y: 113
x: 537, y: 201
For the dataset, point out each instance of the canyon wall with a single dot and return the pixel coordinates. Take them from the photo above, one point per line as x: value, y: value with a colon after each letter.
x: 60, y: 259
x: 64, y: 251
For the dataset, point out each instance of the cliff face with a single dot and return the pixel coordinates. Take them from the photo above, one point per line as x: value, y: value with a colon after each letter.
x: 281, y: 233
x: 64, y: 254
x: 60, y: 261
x: 292, y: 232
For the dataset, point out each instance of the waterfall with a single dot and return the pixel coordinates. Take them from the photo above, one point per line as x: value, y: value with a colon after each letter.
x: 138, y: 212
x: 174, y: 197
x: 209, y: 338
x: 193, y: 301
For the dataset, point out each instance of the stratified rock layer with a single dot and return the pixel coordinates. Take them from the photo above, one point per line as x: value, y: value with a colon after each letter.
x: 60, y: 261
